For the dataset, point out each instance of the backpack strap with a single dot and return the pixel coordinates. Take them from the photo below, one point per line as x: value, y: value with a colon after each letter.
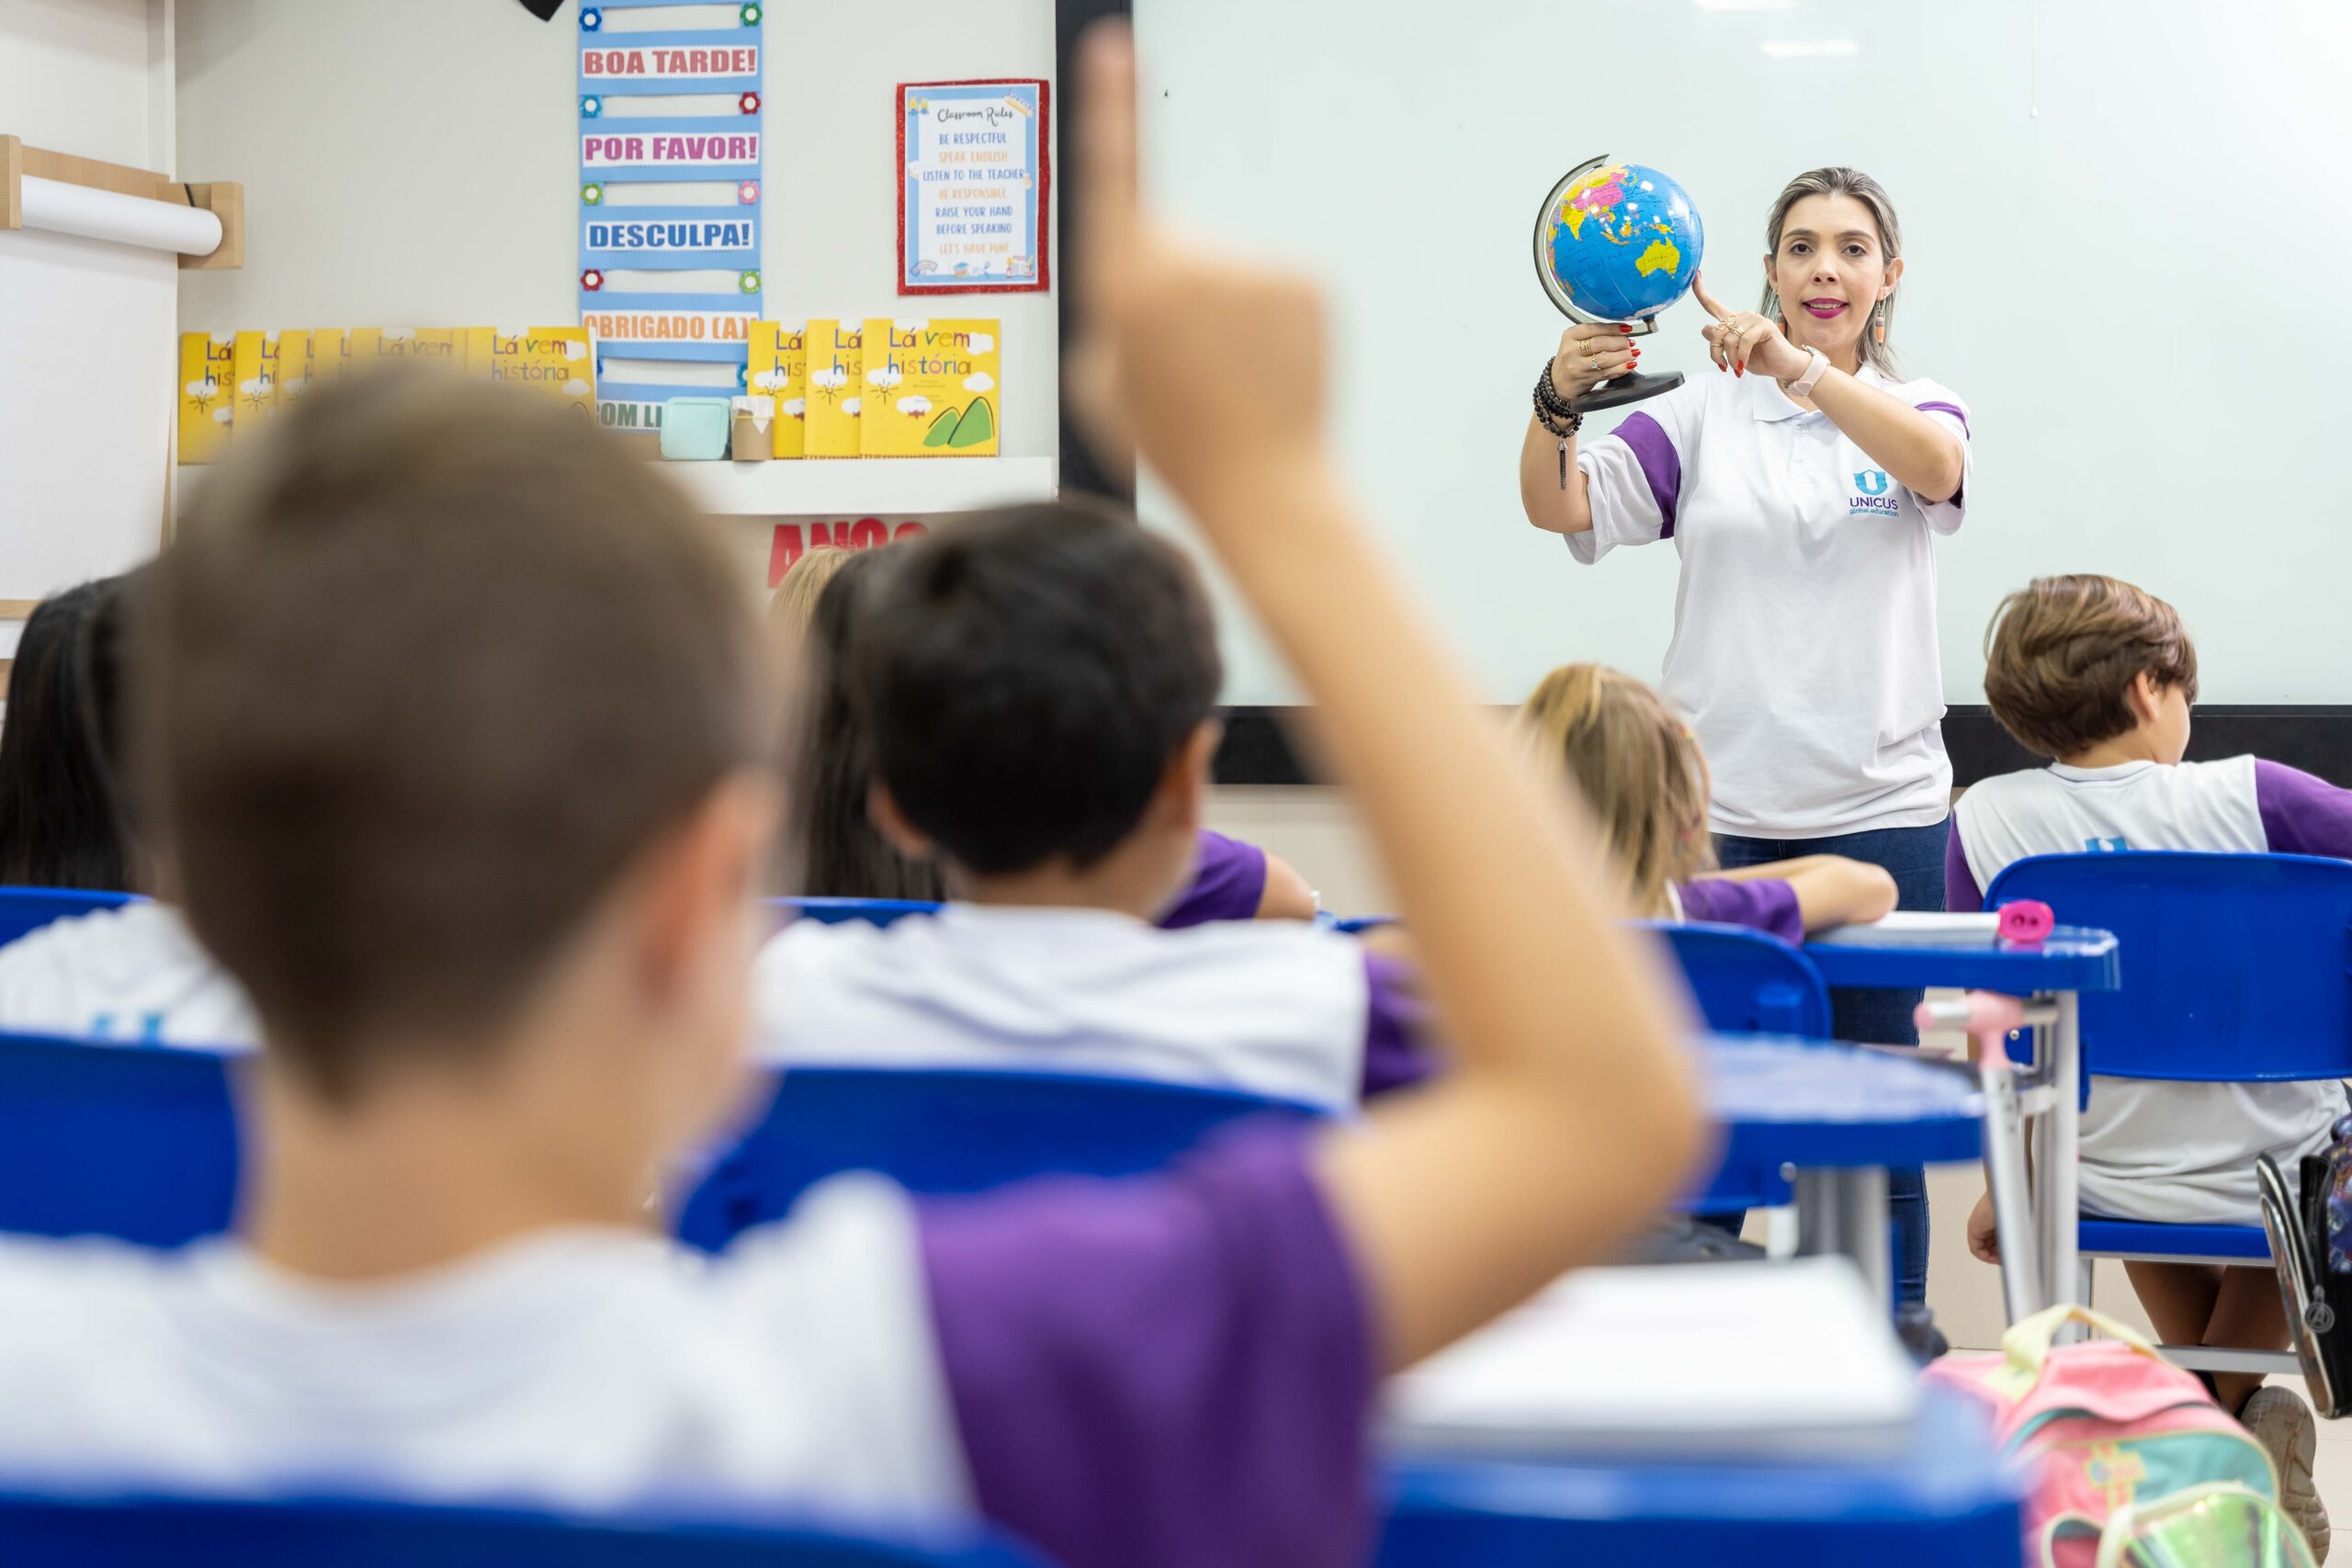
x: 2025, y: 1347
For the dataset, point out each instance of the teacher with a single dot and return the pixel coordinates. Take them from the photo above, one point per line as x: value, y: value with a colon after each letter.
x: 1802, y: 484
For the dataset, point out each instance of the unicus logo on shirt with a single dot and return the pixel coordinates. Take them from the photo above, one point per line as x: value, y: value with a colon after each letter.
x: 1873, y: 500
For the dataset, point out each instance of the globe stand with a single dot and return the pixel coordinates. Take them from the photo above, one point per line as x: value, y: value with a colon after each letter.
x: 1627, y: 389
x: 1632, y: 388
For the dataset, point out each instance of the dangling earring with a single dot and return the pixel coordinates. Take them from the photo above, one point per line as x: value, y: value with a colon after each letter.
x: 1773, y: 302
x: 1878, y: 329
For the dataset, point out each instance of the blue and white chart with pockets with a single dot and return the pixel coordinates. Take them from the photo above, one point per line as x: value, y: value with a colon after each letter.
x: 670, y: 201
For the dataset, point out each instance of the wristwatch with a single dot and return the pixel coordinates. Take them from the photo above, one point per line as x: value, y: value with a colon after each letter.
x: 1804, y: 385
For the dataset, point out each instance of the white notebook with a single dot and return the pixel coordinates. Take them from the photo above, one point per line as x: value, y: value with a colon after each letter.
x: 1913, y: 928
x: 1712, y: 1357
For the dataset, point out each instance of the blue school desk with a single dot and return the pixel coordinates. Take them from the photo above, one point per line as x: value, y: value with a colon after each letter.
x: 2050, y: 975
x: 101, y: 1532
x: 1939, y: 1497
x: 1839, y: 1115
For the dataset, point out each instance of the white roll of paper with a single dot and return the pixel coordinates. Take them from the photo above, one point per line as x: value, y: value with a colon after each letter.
x: 124, y: 219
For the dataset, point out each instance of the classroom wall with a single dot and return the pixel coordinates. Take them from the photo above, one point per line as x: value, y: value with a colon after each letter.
x: 415, y: 163
x: 89, y: 77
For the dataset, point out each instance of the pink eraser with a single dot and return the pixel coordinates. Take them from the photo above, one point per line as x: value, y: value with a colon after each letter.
x: 2025, y: 920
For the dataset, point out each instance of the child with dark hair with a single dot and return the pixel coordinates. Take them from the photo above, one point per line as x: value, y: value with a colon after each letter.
x: 460, y: 730
x: 836, y: 851
x: 132, y: 973
x: 1037, y: 692
x: 60, y: 811
x: 2099, y: 676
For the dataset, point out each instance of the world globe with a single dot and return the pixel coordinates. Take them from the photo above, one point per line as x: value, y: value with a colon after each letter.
x: 1617, y: 243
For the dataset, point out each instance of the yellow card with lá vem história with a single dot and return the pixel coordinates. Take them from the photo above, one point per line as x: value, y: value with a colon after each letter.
x: 207, y: 395
x: 778, y: 368
x: 836, y: 369
x: 931, y: 389
x: 255, y: 374
x: 556, y: 362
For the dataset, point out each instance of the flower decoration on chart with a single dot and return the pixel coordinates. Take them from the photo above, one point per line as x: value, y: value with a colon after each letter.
x: 750, y: 282
x: 748, y: 103
x: 591, y: 19
x: 750, y: 15
x: 592, y: 196
x: 743, y: 377
x: 591, y: 107
x: 748, y: 193
x: 591, y: 280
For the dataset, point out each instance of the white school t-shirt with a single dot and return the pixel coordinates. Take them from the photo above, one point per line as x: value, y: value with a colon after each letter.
x: 1274, y: 1008
x: 130, y: 974
x: 2181, y: 1153
x: 587, y: 1369
x: 1804, y: 651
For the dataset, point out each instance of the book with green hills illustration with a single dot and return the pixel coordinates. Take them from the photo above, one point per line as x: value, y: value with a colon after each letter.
x: 931, y: 389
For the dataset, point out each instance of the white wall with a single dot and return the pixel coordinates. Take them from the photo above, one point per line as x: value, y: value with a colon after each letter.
x: 416, y: 164
x: 89, y: 77
x: 85, y: 328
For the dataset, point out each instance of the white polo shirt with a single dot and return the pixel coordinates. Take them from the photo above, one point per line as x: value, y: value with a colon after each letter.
x: 1805, y: 650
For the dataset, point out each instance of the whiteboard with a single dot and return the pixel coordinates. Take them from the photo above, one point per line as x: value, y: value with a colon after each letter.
x: 2124, y: 221
x: 88, y: 361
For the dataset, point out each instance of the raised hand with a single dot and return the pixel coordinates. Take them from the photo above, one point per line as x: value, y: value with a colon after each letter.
x: 1737, y: 339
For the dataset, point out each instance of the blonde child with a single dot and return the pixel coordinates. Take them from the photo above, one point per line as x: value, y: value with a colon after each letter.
x: 1641, y: 769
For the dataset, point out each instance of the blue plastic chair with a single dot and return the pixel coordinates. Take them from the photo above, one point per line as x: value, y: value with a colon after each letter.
x: 947, y: 1131
x: 2238, y: 972
x: 26, y: 909
x: 188, y: 1533
x: 1745, y: 982
x: 844, y: 911
x: 136, y: 1142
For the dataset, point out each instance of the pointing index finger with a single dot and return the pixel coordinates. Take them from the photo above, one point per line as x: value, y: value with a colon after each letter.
x: 1713, y: 306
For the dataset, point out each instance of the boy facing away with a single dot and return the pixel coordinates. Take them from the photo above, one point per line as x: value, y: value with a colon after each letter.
x: 2098, y: 676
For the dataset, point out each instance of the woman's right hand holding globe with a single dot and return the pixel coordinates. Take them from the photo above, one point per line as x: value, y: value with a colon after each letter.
x: 1592, y: 355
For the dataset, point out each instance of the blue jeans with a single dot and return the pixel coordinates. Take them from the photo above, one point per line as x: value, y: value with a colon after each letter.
x: 1915, y: 858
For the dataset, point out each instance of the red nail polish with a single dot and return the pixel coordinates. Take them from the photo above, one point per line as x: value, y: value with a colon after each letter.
x: 1627, y: 330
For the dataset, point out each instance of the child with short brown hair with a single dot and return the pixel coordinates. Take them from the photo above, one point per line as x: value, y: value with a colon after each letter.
x: 2098, y: 675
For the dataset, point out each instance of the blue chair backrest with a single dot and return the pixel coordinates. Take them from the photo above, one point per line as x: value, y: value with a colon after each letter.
x: 2235, y: 967
x: 26, y: 909
x: 950, y: 1131
x: 843, y: 911
x: 1745, y: 982
x: 185, y: 1533
x: 136, y: 1142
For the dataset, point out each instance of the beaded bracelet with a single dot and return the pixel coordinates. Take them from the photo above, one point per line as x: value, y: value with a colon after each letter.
x: 1557, y: 414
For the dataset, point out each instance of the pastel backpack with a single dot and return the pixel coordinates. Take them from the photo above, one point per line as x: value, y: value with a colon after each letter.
x: 2104, y: 1425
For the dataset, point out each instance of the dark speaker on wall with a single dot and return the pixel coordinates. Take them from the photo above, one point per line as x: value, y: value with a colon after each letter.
x: 544, y: 10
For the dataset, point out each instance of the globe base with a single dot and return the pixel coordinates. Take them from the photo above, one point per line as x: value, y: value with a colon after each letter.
x: 1626, y: 390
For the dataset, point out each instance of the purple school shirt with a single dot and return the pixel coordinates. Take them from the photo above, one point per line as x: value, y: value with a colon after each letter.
x: 1396, y: 1033
x: 1228, y: 884
x: 2301, y: 815
x: 1765, y: 904
x: 1166, y: 1372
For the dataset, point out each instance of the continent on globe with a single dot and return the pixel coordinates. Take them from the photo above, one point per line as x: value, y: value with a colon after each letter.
x: 1660, y: 257
x: 1600, y: 192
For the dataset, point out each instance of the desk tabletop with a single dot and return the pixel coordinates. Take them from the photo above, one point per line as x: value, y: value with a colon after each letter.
x: 1825, y: 1105
x: 1939, y: 1495
x: 2073, y: 958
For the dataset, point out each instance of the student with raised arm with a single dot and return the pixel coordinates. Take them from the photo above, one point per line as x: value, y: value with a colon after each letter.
x: 498, y: 993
